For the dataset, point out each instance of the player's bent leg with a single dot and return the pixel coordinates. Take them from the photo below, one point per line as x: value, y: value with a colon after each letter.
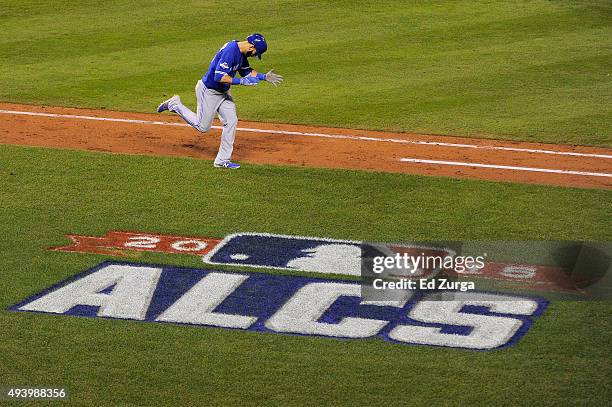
x: 175, y: 105
x: 202, y: 120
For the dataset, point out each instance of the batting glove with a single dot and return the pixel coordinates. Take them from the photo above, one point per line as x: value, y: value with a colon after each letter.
x: 274, y: 78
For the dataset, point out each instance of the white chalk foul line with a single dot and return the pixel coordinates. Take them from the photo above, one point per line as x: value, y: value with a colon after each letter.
x: 505, y: 167
x: 321, y: 135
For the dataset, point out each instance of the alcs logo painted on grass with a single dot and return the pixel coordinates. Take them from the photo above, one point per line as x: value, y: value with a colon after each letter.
x: 287, y: 305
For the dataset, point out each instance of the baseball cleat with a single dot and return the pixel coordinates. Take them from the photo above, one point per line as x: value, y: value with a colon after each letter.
x: 164, y: 105
x: 227, y: 164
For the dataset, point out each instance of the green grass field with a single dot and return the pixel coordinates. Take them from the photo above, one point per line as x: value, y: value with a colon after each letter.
x: 528, y: 70
x: 51, y: 192
x: 534, y: 70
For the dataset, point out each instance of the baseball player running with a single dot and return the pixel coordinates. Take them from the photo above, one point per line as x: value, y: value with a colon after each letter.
x: 212, y: 92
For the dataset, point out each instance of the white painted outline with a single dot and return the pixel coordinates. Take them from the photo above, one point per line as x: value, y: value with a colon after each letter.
x: 320, y: 135
x: 505, y: 167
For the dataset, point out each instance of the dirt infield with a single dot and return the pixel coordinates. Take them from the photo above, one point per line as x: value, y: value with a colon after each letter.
x: 263, y: 143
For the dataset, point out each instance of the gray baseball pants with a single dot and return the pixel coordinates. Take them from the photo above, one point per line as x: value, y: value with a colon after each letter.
x: 211, y: 102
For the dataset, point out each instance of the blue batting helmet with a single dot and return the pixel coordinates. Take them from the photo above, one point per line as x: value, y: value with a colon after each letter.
x: 259, y: 42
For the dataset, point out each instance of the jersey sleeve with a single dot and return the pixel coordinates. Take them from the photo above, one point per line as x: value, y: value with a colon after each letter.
x: 224, y: 64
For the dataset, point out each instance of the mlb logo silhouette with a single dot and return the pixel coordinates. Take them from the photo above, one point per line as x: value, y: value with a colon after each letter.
x: 289, y: 252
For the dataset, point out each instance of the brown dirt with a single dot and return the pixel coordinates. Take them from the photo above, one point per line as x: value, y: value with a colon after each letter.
x: 300, y: 150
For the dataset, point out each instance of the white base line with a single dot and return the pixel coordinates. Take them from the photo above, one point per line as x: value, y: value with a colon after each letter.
x: 505, y: 167
x: 333, y: 136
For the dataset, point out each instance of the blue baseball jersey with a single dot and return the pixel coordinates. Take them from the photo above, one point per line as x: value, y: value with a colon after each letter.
x: 228, y: 61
